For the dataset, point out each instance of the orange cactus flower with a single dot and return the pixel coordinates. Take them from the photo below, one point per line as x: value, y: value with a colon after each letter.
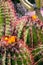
x: 34, y: 17
x: 5, y: 39
x: 12, y: 39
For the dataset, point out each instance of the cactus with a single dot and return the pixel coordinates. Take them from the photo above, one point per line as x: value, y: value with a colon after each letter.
x: 7, y: 17
x: 11, y: 53
x: 31, y: 32
x: 15, y: 54
x: 32, y: 35
x: 38, y: 55
x: 1, y: 20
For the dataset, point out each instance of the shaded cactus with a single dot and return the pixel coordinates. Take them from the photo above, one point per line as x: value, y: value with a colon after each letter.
x: 38, y: 55
x: 15, y: 54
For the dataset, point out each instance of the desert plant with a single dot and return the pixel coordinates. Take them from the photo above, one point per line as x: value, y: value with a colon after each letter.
x: 15, y: 54
x: 31, y: 32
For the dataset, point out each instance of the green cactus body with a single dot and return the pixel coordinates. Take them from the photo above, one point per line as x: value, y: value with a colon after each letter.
x: 7, y: 20
x: 1, y: 21
x: 35, y: 38
x: 25, y: 56
x: 3, y: 58
x: 20, y: 57
x: 41, y: 36
x: 20, y: 28
x: 27, y: 36
x: 7, y: 17
x: 38, y: 55
x: 31, y: 35
x: 10, y: 16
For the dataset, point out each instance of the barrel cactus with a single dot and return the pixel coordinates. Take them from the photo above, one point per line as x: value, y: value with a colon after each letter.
x: 15, y: 54
x: 7, y: 17
x: 31, y: 31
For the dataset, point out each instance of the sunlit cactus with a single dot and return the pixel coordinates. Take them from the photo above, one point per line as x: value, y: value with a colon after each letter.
x: 7, y: 17
x: 1, y: 20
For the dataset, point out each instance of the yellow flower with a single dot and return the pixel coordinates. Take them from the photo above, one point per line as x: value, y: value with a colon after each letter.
x: 6, y: 39
x: 34, y: 17
x: 12, y: 39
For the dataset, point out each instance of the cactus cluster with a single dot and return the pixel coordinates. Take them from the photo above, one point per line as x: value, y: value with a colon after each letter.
x: 27, y: 48
x: 31, y: 31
